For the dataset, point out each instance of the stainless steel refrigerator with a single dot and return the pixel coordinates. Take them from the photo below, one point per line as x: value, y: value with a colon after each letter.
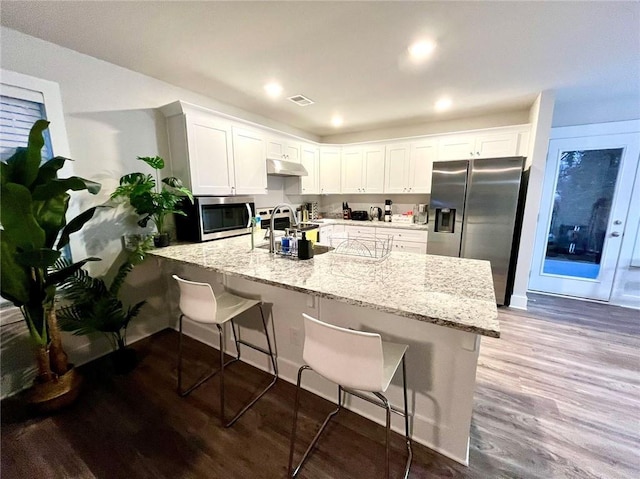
x: 476, y: 212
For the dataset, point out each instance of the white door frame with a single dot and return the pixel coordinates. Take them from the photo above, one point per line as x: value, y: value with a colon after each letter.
x: 601, y: 136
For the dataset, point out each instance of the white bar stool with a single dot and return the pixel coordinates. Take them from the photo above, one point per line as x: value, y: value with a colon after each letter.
x: 356, y: 361
x: 199, y: 303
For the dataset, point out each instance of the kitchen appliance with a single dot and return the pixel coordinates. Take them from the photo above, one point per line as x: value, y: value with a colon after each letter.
x: 476, y: 210
x: 359, y: 215
x: 285, y: 168
x: 421, y: 214
x: 282, y: 219
x: 375, y: 213
x: 346, y: 211
x: 387, y: 211
x: 215, y: 217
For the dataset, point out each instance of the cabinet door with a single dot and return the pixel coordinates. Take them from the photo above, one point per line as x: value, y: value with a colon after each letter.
x: 309, y: 185
x: 209, y: 155
x: 292, y: 152
x: 373, y: 169
x: 456, y: 147
x: 275, y: 148
x: 397, y: 168
x: 330, y: 170
x: 351, y: 170
x: 423, y: 154
x: 250, y: 162
x: 496, y: 145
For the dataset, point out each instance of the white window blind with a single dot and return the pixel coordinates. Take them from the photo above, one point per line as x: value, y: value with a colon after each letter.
x: 17, y: 116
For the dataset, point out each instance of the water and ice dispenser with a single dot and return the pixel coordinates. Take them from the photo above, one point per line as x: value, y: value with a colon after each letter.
x: 445, y: 220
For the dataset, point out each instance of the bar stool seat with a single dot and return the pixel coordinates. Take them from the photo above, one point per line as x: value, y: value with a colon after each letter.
x: 358, y: 362
x: 199, y: 303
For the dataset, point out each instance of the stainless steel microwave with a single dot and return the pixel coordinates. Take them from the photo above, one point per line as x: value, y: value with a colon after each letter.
x: 215, y: 217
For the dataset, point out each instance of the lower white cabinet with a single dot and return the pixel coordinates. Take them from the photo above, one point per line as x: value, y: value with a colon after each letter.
x: 408, y: 241
x: 408, y: 247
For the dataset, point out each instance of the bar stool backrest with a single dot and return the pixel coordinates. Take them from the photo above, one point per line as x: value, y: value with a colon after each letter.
x: 197, y: 301
x: 352, y: 359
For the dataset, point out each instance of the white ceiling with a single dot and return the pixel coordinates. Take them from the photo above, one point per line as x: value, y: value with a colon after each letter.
x: 350, y: 57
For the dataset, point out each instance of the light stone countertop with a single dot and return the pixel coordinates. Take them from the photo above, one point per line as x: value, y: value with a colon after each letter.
x: 452, y: 292
x: 370, y: 224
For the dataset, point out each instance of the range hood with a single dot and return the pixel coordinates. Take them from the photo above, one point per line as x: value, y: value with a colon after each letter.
x: 285, y: 168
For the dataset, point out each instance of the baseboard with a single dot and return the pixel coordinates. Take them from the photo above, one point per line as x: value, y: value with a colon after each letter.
x: 518, y: 301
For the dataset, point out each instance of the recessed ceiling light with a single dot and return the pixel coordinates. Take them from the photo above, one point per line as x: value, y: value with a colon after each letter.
x: 337, y: 121
x: 273, y: 89
x: 421, y: 50
x: 443, y: 104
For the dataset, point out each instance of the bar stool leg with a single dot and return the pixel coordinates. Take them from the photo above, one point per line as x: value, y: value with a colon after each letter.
x: 222, y: 349
x: 295, y: 420
x: 406, y: 420
x: 387, y: 407
x: 266, y: 332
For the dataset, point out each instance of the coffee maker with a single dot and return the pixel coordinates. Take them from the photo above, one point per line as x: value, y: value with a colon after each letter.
x: 387, y: 211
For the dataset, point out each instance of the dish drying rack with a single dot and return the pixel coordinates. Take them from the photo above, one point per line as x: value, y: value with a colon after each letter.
x: 363, y: 246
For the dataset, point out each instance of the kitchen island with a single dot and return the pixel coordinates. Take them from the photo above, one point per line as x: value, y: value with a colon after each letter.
x: 440, y: 306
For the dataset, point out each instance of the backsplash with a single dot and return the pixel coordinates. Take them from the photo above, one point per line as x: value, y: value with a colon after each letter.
x: 331, y: 205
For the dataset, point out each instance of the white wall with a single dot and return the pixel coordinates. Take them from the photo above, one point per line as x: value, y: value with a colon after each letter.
x: 506, y: 118
x: 540, y: 119
x: 588, y: 112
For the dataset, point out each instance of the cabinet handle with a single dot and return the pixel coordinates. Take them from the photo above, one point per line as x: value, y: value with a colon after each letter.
x: 477, y: 153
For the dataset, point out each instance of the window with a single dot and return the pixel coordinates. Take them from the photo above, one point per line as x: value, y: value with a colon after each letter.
x: 24, y: 99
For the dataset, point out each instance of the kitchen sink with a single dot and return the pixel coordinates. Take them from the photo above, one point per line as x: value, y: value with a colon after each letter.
x: 318, y: 249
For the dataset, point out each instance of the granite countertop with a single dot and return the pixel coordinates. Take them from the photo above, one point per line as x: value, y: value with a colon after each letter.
x: 371, y: 224
x: 452, y: 292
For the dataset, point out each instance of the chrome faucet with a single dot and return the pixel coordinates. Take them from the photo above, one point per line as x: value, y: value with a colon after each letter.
x: 272, y: 236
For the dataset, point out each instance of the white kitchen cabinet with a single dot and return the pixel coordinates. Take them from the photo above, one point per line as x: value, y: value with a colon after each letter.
x: 481, y: 145
x: 408, y: 247
x: 310, y: 159
x: 363, y: 169
x: 408, y: 167
x: 330, y: 170
x: 410, y: 241
x: 201, y: 152
x: 281, y: 148
x: 249, y: 162
x: 366, y: 230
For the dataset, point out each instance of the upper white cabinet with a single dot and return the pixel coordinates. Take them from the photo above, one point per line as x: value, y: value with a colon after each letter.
x: 201, y: 153
x: 310, y: 159
x: 363, y: 169
x: 282, y: 148
x: 213, y: 155
x: 408, y: 167
x: 250, y: 165
x: 481, y: 145
x: 330, y: 170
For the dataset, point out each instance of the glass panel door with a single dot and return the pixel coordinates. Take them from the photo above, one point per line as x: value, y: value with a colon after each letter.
x: 585, y: 186
x: 583, y: 210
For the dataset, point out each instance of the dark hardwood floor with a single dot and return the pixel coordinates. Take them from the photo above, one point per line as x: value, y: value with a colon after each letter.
x: 557, y: 397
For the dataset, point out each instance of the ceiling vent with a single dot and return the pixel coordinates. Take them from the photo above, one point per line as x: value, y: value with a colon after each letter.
x: 301, y: 100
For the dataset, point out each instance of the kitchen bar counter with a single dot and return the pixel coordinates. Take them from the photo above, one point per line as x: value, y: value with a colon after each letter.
x: 451, y: 292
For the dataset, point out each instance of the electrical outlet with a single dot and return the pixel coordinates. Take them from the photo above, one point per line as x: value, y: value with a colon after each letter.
x: 295, y: 336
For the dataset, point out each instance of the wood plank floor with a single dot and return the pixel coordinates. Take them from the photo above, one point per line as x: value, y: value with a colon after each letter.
x: 558, y: 396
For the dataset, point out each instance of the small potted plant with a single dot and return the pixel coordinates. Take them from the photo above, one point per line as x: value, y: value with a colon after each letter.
x: 94, y: 307
x: 149, y: 203
x: 34, y: 230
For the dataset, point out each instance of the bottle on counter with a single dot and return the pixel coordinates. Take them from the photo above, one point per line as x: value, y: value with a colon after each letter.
x: 305, y: 247
x: 293, y: 243
x: 285, y: 241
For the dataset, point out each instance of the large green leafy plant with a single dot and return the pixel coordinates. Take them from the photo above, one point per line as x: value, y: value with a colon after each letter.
x: 149, y: 203
x: 94, y: 307
x: 34, y: 230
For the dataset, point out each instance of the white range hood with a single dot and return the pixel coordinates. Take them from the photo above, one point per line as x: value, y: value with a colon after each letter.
x: 285, y: 168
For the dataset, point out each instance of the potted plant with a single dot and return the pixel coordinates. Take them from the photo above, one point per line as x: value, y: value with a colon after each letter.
x: 95, y: 307
x: 33, y: 232
x: 148, y: 202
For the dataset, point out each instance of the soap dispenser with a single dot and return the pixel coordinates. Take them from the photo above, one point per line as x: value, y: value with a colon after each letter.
x: 305, y: 247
